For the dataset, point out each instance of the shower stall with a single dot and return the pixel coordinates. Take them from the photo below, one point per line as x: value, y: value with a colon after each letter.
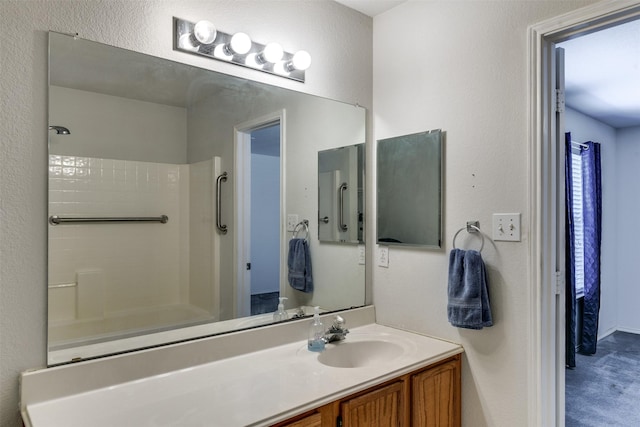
x: 133, y: 248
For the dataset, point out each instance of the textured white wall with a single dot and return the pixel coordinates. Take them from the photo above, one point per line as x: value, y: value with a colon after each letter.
x: 584, y: 128
x: 340, y: 70
x: 628, y: 176
x: 462, y: 67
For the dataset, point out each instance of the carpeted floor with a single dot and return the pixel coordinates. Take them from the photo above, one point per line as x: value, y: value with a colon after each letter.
x: 604, y: 389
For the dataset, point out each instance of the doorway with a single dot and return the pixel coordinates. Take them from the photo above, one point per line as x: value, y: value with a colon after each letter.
x: 547, y: 199
x: 259, y: 198
x: 264, y: 239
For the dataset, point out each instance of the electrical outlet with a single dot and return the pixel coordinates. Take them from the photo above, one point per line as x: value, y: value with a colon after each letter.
x: 361, y: 254
x: 383, y: 256
x: 506, y: 227
x: 292, y: 221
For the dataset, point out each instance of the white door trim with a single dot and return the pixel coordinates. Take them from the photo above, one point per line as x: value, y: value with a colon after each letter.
x: 543, y: 181
x: 242, y: 152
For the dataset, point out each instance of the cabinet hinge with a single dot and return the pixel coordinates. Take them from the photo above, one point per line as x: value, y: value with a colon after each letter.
x: 560, y: 282
x: 559, y: 101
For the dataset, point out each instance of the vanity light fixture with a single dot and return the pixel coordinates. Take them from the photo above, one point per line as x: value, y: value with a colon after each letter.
x: 202, y: 38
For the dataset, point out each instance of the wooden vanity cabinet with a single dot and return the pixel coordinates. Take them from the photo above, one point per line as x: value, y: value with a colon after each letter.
x: 435, y: 395
x: 380, y: 407
x: 428, y: 397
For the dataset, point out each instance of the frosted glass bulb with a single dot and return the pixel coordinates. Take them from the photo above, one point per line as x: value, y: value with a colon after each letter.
x: 221, y: 52
x: 252, y: 60
x: 272, y: 53
x: 240, y: 43
x: 301, y: 60
x: 205, y: 32
x: 188, y: 42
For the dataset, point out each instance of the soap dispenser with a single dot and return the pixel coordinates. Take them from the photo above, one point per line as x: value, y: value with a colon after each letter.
x: 316, y: 332
x: 280, y: 314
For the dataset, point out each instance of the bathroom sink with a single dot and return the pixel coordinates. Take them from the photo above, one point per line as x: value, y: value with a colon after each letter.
x: 359, y: 354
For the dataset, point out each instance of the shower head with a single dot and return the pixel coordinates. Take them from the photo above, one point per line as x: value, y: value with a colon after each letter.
x: 60, y: 130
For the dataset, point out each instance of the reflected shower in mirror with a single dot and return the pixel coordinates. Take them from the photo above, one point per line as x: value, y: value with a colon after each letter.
x: 409, y: 190
x: 223, y: 161
x: 341, y: 194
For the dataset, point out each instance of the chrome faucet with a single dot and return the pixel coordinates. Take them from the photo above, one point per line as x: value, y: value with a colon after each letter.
x: 337, y: 331
x: 299, y: 314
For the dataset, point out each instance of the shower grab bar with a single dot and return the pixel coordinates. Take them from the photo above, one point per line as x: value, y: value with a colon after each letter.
x: 56, y: 220
x: 222, y: 227
x: 343, y: 187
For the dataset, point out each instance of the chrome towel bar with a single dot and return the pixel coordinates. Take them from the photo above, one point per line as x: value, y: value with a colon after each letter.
x: 56, y: 220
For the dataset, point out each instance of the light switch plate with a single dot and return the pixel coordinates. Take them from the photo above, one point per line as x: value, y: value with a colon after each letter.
x: 292, y: 221
x: 361, y: 254
x: 506, y: 227
x: 383, y: 256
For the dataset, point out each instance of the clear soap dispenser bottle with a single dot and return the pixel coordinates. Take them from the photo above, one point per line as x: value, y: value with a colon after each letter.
x: 280, y: 314
x: 316, y: 332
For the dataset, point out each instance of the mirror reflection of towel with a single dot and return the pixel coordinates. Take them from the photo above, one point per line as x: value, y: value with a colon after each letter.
x: 468, y: 305
x: 299, y: 263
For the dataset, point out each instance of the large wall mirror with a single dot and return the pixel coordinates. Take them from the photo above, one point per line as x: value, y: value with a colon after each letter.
x: 409, y: 190
x: 170, y: 188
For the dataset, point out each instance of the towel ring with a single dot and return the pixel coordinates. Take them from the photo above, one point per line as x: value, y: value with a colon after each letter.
x: 472, y: 229
x: 304, y: 224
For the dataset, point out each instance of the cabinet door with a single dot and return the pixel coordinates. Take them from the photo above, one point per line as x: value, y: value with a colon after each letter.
x: 435, y: 396
x: 382, y: 407
x: 314, y: 420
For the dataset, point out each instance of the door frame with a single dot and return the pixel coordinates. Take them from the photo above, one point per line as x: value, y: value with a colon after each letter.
x: 242, y: 202
x: 546, y: 181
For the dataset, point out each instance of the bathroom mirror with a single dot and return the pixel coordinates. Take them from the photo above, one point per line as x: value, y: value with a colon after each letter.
x: 341, y: 194
x: 409, y: 190
x: 173, y: 193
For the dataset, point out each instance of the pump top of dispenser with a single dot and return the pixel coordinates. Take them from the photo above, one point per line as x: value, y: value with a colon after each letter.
x: 280, y: 314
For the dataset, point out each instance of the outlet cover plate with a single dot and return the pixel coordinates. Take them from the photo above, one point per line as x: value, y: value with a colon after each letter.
x: 292, y: 221
x: 506, y: 227
x: 383, y: 256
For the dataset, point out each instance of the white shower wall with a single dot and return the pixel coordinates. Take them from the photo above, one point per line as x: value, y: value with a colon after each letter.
x: 130, y: 265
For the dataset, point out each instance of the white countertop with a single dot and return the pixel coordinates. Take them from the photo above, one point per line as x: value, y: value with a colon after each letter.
x: 254, y: 389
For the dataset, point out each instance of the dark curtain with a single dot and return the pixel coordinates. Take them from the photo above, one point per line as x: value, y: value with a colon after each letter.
x: 592, y: 213
x: 592, y: 218
x: 570, y: 294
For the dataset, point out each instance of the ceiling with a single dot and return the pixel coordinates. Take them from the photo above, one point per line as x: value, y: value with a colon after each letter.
x: 602, y: 75
x: 371, y: 7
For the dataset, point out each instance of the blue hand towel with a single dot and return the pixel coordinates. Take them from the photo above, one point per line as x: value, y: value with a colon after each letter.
x: 299, y: 263
x: 468, y: 305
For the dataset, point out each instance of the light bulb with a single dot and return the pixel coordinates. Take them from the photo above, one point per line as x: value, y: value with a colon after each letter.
x: 240, y: 43
x: 221, y: 52
x: 188, y: 42
x: 272, y: 53
x: 301, y: 60
x: 254, y: 61
x: 205, y: 32
x: 282, y: 68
